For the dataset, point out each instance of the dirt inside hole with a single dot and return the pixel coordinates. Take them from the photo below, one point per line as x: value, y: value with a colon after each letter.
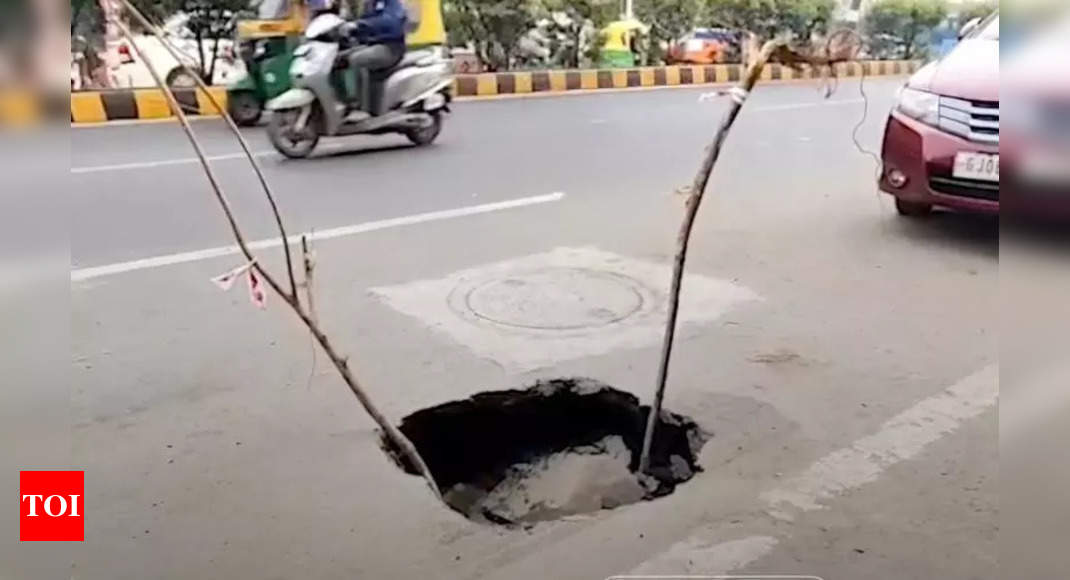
x: 559, y: 447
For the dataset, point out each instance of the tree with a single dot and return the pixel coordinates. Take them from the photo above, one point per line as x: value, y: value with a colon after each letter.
x: 896, y: 28
x: 207, y: 21
x: 769, y: 18
x: 669, y: 20
x: 491, y: 27
x: 578, y: 23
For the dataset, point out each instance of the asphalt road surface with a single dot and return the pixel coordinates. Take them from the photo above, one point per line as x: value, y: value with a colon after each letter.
x: 840, y: 354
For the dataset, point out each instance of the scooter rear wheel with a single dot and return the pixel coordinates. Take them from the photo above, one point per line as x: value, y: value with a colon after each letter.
x: 293, y: 144
x: 426, y: 135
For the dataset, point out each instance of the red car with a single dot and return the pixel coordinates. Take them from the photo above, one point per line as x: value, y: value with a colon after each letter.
x: 941, y: 141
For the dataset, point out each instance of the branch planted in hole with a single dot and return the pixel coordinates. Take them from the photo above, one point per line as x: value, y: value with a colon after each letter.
x: 839, y: 48
x: 290, y: 298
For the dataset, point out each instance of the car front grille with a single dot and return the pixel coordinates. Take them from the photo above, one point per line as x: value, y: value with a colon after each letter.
x: 973, y: 120
x: 965, y: 188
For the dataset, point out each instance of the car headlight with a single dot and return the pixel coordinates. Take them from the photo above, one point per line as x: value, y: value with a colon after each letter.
x: 920, y: 105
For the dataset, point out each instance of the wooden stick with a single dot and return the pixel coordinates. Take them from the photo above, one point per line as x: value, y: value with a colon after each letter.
x: 394, y: 435
x: 739, y: 96
x: 155, y: 30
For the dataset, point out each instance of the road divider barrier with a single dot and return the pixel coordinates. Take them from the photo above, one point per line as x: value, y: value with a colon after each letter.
x: 89, y: 107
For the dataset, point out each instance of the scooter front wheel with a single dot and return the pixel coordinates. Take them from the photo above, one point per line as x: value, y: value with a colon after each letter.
x: 287, y: 139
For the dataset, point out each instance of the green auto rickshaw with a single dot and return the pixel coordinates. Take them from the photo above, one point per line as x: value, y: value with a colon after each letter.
x: 267, y: 44
x: 621, y: 43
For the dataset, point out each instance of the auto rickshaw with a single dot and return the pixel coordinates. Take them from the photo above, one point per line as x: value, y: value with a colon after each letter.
x: 267, y: 44
x: 621, y: 45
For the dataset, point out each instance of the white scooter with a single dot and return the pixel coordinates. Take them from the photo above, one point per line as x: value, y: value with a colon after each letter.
x: 411, y: 97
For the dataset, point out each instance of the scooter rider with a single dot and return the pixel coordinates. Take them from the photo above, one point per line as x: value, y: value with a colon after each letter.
x: 380, y: 32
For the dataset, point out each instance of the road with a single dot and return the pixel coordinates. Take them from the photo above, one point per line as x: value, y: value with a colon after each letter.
x: 839, y: 354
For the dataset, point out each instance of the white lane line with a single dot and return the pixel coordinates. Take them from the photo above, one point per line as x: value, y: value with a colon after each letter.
x: 900, y: 438
x: 163, y: 163
x: 81, y: 274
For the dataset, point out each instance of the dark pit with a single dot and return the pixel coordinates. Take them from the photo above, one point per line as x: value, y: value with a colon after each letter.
x: 557, y: 448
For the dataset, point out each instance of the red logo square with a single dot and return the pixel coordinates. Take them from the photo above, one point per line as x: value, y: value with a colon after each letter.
x: 51, y: 506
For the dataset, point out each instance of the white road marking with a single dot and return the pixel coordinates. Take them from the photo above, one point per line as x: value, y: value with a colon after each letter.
x: 901, y: 438
x: 163, y: 162
x: 81, y: 274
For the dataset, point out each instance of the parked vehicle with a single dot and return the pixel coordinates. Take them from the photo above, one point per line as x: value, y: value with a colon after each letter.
x: 705, y: 46
x: 941, y: 141
x: 133, y: 73
x: 409, y: 98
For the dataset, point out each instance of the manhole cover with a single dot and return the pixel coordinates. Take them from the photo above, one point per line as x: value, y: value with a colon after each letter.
x: 555, y: 299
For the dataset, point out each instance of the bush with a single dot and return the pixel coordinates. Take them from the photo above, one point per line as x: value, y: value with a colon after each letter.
x: 769, y: 18
x: 900, y: 28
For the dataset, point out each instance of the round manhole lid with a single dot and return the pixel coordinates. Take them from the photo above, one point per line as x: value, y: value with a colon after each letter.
x: 555, y: 299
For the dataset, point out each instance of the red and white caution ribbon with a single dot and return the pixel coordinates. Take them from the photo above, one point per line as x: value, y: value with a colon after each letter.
x: 257, y: 294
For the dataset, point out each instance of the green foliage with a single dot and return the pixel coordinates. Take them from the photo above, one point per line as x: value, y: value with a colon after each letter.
x: 896, y: 28
x: 669, y: 20
x: 770, y: 18
x: 86, y: 20
x: 576, y: 28
x: 491, y: 27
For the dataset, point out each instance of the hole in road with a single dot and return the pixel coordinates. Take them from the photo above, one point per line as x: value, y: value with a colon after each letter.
x: 559, y: 447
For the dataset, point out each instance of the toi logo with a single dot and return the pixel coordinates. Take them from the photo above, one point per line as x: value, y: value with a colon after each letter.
x: 51, y: 507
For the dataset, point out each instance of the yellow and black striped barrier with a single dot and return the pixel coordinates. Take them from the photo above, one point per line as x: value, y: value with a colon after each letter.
x: 513, y: 83
x: 100, y: 106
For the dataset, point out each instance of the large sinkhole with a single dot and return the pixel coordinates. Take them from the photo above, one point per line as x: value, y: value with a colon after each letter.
x: 559, y: 447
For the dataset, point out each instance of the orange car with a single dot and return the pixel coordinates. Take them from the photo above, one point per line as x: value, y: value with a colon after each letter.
x: 703, y: 46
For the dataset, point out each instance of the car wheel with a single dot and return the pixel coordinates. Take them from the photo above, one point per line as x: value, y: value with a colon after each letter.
x: 179, y: 78
x: 913, y: 208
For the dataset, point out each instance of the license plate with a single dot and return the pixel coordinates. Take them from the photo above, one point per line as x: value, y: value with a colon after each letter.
x: 978, y: 166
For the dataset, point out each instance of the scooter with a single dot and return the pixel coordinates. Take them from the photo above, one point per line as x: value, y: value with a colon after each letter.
x: 409, y: 98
